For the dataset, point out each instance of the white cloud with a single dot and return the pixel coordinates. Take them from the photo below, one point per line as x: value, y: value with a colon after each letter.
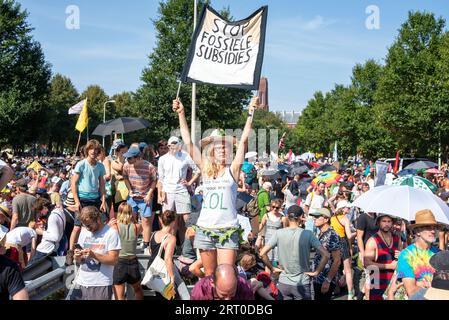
x: 314, y: 24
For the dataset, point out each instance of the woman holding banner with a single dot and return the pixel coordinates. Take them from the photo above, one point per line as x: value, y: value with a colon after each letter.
x: 218, y: 232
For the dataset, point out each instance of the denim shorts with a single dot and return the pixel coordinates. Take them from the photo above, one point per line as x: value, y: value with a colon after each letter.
x: 139, y: 206
x: 205, y: 242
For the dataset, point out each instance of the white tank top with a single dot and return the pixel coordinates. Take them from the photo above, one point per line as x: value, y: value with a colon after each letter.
x: 219, y: 202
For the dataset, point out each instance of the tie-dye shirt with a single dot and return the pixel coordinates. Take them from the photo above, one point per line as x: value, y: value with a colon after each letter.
x: 414, y: 263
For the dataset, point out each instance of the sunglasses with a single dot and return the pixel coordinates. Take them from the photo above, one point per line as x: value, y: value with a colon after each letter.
x: 273, y: 207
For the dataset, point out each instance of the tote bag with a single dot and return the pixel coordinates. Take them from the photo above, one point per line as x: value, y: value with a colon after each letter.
x: 157, y: 277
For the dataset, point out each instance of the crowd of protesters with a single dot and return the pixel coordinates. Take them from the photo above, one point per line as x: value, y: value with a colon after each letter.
x: 293, y: 240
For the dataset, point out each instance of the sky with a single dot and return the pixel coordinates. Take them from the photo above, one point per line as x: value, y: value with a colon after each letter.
x: 310, y: 45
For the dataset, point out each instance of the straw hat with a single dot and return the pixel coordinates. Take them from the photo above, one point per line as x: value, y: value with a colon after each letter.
x: 4, y: 211
x: 424, y: 218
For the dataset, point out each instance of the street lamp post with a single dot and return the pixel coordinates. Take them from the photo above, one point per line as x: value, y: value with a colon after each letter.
x: 104, y: 113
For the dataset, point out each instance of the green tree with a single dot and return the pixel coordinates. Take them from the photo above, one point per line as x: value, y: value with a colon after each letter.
x: 24, y: 77
x: 60, y: 126
x: 407, y: 97
x: 216, y: 106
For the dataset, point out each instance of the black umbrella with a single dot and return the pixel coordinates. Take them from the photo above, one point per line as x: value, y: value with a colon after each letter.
x: 326, y: 167
x: 120, y: 125
x: 299, y: 170
x: 302, y: 163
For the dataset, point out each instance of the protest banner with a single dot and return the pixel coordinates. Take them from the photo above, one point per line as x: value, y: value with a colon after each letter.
x: 227, y: 53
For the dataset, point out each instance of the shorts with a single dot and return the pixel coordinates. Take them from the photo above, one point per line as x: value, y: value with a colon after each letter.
x: 345, y: 253
x: 205, y: 242
x: 178, y: 202
x: 86, y: 203
x: 139, y: 206
x: 127, y: 271
x: 92, y: 293
x: 294, y: 292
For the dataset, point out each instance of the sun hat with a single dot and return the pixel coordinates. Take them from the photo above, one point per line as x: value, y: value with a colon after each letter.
x: 4, y: 211
x: 218, y: 135
x: 424, y: 218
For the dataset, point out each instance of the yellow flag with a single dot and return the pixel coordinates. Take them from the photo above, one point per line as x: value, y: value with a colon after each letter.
x: 83, y: 118
x: 35, y: 166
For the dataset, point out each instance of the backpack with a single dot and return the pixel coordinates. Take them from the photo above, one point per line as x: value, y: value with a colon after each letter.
x: 249, y: 177
x: 252, y: 208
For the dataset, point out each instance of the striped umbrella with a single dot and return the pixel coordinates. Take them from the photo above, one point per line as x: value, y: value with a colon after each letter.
x: 416, y: 182
x: 329, y: 178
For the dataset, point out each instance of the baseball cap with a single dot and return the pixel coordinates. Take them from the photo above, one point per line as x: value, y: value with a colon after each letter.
x: 132, y: 152
x: 294, y: 212
x: 321, y: 212
x: 142, y: 146
x: 173, y: 140
x: 343, y: 204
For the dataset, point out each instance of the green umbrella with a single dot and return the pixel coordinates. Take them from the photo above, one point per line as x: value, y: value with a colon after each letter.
x: 416, y: 182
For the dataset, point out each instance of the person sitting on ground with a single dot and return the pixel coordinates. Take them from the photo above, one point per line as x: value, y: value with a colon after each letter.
x: 16, y: 241
x: 54, y: 232
x: 245, y: 266
x: 224, y: 284
x: 11, y: 281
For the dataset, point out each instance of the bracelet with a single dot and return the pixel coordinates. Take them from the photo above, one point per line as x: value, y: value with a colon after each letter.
x: 328, y: 280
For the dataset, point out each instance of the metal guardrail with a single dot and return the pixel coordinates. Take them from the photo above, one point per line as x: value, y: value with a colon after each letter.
x: 50, y: 274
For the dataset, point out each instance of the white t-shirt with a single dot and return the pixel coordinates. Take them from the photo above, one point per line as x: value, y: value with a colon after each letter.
x: 53, y: 234
x: 172, y: 169
x: 314, y: 201
x: 92, y: 273
x: 21, y: 236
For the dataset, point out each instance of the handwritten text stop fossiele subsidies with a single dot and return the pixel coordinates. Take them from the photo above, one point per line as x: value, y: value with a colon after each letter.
x: 227, y: 44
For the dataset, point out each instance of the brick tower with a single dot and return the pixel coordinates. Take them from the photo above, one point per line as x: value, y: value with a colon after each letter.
x: 263, y: 94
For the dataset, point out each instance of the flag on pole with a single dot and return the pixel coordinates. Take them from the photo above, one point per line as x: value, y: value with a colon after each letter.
x: 77, y: 108
x: 396, y: 163
x: 227, y: 53
x: 335, y: 156
x: 83, y: 119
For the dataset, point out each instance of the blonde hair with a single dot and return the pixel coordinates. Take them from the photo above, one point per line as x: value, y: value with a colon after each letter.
x: 210, y: 165
x: 247, y: 261
x: 125, y: 214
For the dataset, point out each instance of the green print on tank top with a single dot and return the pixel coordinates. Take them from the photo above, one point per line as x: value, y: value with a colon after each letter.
x: 215, y: 199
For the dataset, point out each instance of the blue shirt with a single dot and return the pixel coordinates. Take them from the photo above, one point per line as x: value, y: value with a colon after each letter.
x: 88, y: 183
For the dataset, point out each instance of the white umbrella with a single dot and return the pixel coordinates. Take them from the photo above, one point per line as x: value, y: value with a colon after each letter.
x: 402, y: 202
